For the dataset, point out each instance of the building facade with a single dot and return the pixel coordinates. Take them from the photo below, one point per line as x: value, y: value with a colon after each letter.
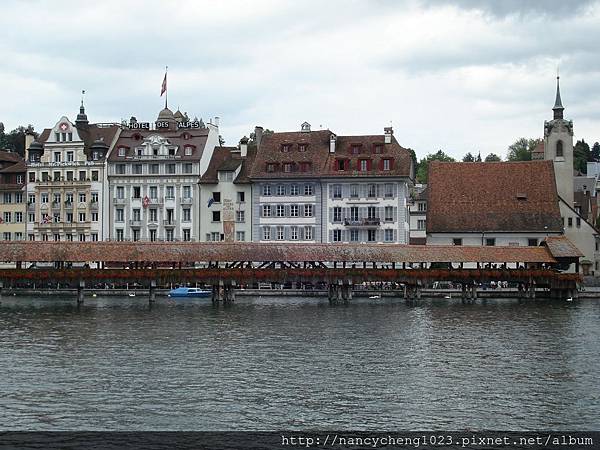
x: 418, y: 215
x: 226, y: 195
x: 315, y: 186
x: 66, y: 181
x: 153, y: 175
x: 12, y: 197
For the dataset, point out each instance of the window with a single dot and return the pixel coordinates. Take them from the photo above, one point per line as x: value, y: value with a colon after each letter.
x: 293, y: 210
x: 44, y: 197
x: 7, y: 217
x: 354, y: 213
x: 31, y: 237
x: 354, y: 191
x: 240, y: 216
x: 82, y: 175
x: 388, y: 235
x: 226, y: 175
x: 372, y: 212
x: 153, y: 192
x: 287, y: 167
x: 18, y: 236
x: 389, y: 190
x: 294, y: 233
x: 280, y: 211
x: 420, y: 224
x: 266, y: 190
x: 7, y: 197
x: 169, y: 233
x: 302, y: 147
x: 490, y: 242
x: 137, y: 169
x: 187, y: 192
x: 308, y: 189
x: 44, y: 237
x: 216, y: 196
x: 120, y: 169
x: 187, y: 235
x: 241, y: 197
x: 355, y: 149
x: 286, y: 148
x: 96, y: 155
x: 187, y: 215
x: 94, y: 237
x: 154, y: 169
x: 266, y: 211
x: 337, y: 235
x: 70, y: 156
x: 120, y: 192
x: 363, y: 165
x: 69, y: 175
x: 308, y: 233
x: 120, y: 216
x: 188, y: 150
x: 18, y: 217
x: 216, y: 216
x: 532, y: 242
x: 280, y: 189
x: 371, y: 235
x: 386, y: 164
x: 294, y: 189
x: 266, y: 233
x: 170, y: 193
x: 94, y: 217
x: 570, y: 221
x: 82, y: 217
x: 45, y: 176
x: 121, y: 153
x: 340, y: 164
x: 388, y: 214
x: 95, y: 197
x: 152, y: 235
x: 559, y: 149
x: 372, y: 191
x: 280, y: 233
x: 457, y: 241
x: 7, y: 235
x: 69, y: 217
x: 578, y: 222
x: 139, y: 151
x: 57, y: 157
x: 154, y: 215
x: 354, y: 235
x: 170, y: 168
x: 31, y: 198
x: 82, y: 197
x: 136, y: 215
x: 31, y: 177
x: 422, y: 206
x: 337, y: 214
x: 187, y: 168
x: 378, y: 148
x: 119, y: 234
x: 337, y: 191
x: 94, y: 175
x: 270, y: 167
x: 308, y: 210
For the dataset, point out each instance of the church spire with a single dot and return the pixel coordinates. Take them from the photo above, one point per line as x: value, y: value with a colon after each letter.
x: 82, y: 119
x: 558, y: 107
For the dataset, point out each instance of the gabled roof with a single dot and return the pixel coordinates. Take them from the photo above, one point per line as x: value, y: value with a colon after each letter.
x: 228, y: 159
x: 562, y: 247
x: 322, y: 162
x: 498, y: 197
x: 88, y: 135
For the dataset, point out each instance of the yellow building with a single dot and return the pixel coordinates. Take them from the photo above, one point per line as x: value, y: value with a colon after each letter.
x: 12, y: 197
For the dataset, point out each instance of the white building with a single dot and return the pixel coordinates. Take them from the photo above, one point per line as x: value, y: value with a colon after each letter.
x: 153, y: 174
x: 226, y: 195
x: 66, y: 181
x: 418, y: 215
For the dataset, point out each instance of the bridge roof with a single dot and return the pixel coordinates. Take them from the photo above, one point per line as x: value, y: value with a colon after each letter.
x: 188, y: 252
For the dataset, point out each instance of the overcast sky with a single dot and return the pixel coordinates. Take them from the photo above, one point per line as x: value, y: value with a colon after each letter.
x: 454, y: 75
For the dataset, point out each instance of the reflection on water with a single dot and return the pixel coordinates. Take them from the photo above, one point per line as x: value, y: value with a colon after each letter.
x: 268, y: 363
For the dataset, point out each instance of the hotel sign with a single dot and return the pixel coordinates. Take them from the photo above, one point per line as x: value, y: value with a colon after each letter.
x: 163, y: 124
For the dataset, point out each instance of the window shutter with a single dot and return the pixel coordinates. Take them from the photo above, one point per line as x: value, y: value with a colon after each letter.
x: 347, y: 164
x: 330, y: 236
x: 381, y: 164
x: 301, y: 233
x: 391, y: 163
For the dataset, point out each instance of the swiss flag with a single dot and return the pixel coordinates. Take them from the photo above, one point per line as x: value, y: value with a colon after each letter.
x: 163, y: 89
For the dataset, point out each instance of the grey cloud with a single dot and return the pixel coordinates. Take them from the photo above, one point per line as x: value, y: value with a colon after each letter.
x: 503, y: 8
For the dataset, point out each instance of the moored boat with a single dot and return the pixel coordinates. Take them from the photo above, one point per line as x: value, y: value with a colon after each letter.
x: 189, y: 292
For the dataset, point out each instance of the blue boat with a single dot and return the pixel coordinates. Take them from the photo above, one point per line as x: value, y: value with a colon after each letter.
x: 189, y: 292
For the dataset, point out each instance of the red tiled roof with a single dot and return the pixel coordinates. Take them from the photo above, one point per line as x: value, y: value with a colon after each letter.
x: 319, y: 162
x: 259, y: 252
x: 88, y: 135
x: 500, y: 196
x: 561, y: 247
x: 228, y: 158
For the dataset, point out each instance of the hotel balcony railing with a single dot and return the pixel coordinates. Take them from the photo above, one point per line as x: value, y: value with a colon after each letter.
x: 368, y: 222
x: 186, y: 200
x: 135, y: 223
x: 169, y: 223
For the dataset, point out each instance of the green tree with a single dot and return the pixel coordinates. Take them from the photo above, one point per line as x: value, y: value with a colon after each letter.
x: 469, y: 157
x: 595, y: 153
x: 15, y: 140
x: 423, y: 166
x: 522, y: 148
x: 581, y: 155
x: 492, y: 157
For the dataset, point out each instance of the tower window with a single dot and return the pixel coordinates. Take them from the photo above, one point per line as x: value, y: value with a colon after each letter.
x: 559, y: 149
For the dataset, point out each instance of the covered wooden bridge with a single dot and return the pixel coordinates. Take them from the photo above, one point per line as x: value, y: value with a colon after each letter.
x: 225, y: 265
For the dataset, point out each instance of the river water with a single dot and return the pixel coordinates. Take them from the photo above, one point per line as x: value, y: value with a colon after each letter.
x: 289, y: 363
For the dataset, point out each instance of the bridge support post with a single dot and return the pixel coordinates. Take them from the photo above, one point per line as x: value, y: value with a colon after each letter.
x: 216, y: 292
x: 80, y: 291
x: 474, y: 291
x: 152, y: 292
x: 347, y: 291
x: 228, y: 293
x: 1, y: 287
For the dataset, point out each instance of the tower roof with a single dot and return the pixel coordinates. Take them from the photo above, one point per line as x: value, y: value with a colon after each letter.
x: 558, y: 107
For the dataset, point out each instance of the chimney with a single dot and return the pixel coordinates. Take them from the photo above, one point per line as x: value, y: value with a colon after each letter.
x: 258, y: 133
x: 332, y: 140
x: 244, y: 147
x: 29, y: 138
x: 388, y: 131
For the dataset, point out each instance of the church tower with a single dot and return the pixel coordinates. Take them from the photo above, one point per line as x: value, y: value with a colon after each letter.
x: 558, y: 147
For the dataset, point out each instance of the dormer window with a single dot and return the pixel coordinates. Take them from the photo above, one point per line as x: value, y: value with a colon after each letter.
x: 378, y: 148
x: 386, y: 164
x: 171, y: 151
x: 139, y: 151
x: 287, y: 167
x: 270, y: 167
x: 95, y: 156
x: 305, y: 166
x: 521, y: 196
x: 70, y: 136
x: 188, y: 151
x: 121, y: 151
x: 57, y: 137
x: 285, y: 148
x: 186, y: 136
x: 363, y: 165
x: 302, y: 147
x: 355, y: 149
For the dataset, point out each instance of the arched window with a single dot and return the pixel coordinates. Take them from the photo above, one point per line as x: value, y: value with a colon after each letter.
x: 559, y: 149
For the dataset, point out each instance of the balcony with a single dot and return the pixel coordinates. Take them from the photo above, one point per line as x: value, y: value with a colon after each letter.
x: 30, y: 206
x: 68, y: 205
x: 372, y: 222
x: 55, y: 206
x: 186, y: 200
x: 169, y: 223
x: 94, y: 205
x: 156, y: 201
x: 119, y: 201
x: 135, y: 223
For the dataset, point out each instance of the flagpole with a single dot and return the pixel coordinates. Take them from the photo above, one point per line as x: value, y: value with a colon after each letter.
x: 166, y: 87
